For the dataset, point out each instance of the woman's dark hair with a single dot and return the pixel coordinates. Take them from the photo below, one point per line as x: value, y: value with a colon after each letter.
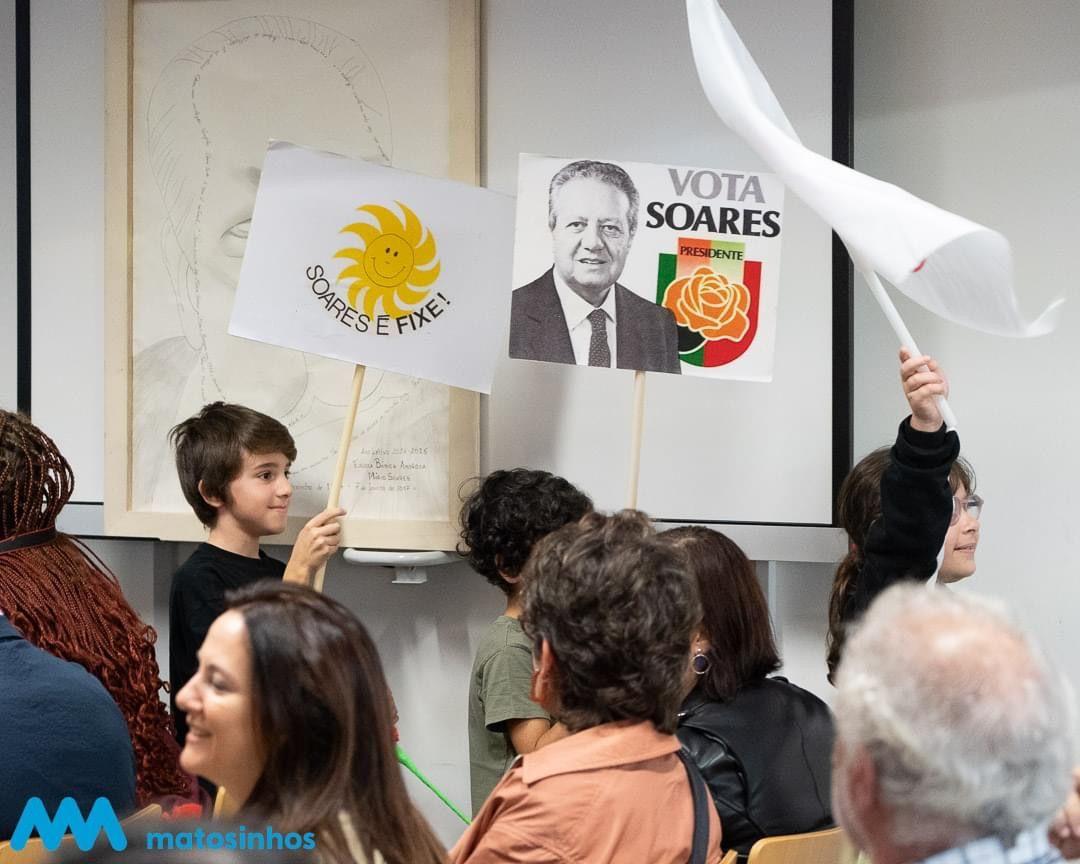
x: 509, y: 511
x: 324, y: 718
x: 858, y: 508
x: 67, y: 602
x: 618, y: 609
x: 735, y: 616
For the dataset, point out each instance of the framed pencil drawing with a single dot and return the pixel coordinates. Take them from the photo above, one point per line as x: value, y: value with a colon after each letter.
x: 194, y: 89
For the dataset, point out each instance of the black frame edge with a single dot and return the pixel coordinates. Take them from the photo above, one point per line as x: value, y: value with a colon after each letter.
x: 843, y: 293
x: 22, y: 204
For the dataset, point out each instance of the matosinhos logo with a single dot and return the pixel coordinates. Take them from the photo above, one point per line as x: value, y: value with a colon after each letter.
x: 68, y: 820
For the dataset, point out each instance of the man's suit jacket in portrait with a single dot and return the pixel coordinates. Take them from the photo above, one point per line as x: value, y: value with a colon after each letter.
x: 646, y: 336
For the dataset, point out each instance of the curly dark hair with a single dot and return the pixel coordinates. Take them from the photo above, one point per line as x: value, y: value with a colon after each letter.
x: 509, y: 511
x: 617, y: 608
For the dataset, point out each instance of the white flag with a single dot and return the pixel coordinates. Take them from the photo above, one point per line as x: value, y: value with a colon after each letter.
x: 956, y: 268
x: 376, y: 266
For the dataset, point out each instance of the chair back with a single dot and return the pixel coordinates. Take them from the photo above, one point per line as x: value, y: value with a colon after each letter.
x: 830, y: 846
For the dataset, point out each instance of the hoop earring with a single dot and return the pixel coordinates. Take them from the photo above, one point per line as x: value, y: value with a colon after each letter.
x: 701, y: 662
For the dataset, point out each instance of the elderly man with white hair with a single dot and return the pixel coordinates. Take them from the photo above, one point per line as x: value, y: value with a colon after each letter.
x: 954, y: 734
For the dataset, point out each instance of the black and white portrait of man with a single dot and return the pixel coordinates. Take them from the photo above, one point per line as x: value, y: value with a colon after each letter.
x: 577, y: 312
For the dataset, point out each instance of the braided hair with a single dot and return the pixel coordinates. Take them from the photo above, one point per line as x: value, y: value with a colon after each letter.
x: 67, y: 602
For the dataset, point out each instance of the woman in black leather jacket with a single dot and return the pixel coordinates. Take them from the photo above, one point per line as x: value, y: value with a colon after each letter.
x: 762, y: 744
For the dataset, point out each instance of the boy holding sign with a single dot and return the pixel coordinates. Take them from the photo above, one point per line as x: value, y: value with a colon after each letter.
x: 233, y: 464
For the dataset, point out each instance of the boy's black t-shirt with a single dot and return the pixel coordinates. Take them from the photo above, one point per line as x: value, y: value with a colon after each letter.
x: 197, y: 598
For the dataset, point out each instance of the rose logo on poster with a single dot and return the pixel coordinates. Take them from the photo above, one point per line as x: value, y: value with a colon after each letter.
x: 709, y: 305
x: 716, y: 305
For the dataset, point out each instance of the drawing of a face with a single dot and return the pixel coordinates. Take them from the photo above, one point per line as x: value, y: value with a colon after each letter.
x: 253, y: 81
x: 229, y: 198
x: 388, y: 261
x: 395, y: 264
x: 203, y: 111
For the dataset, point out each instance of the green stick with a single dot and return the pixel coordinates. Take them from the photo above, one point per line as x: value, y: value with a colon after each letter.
x: 404, y: 759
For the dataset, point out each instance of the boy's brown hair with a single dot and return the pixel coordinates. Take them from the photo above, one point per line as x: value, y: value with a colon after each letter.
x: 210, y: 448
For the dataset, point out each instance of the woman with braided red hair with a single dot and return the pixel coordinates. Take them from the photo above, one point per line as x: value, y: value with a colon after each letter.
x: 67, y: 602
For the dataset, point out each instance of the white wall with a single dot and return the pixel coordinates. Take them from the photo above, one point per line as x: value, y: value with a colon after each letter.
x: 616, y: 80
x: 975, y: 106
x: 798, y: 595
x: 550, y: 86
x: 7, y: 206
x: 67, y: 155
x: 427, y: 635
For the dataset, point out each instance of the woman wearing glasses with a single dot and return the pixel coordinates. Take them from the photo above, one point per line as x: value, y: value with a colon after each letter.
x: 899, y: 504
x: 963, y: 534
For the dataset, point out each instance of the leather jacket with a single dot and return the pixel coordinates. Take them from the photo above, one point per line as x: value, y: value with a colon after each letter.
x: 765, y: 756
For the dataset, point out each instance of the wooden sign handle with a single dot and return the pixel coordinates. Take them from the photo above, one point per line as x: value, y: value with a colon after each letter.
x: 637, y: 420
x: 223, y: 804
x: 342, y: 457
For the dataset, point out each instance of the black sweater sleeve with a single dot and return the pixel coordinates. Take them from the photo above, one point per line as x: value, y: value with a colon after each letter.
x: 916, y: 506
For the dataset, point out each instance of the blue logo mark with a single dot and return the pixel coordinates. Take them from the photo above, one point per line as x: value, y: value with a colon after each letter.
x: 69, y: 820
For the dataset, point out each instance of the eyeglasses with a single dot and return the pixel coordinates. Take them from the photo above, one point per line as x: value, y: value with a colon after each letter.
x: 973, y: 504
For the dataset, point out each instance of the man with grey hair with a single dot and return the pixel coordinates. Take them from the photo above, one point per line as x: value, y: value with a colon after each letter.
x: 576, y: 312
x: 954, y: 734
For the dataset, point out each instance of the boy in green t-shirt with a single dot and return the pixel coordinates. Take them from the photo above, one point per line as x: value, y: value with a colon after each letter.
x: 500, y: 523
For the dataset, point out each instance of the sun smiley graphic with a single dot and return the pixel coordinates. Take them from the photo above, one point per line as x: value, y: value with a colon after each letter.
x: 394, y: 264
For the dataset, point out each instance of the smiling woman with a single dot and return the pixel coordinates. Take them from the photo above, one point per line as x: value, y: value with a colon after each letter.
x: 962, y: 538
x: 220, y: 744
x: 291, y: 713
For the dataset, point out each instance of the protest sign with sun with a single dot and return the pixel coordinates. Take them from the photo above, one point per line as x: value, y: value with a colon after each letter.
x: 393, y: 266
x: 375, y: 266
